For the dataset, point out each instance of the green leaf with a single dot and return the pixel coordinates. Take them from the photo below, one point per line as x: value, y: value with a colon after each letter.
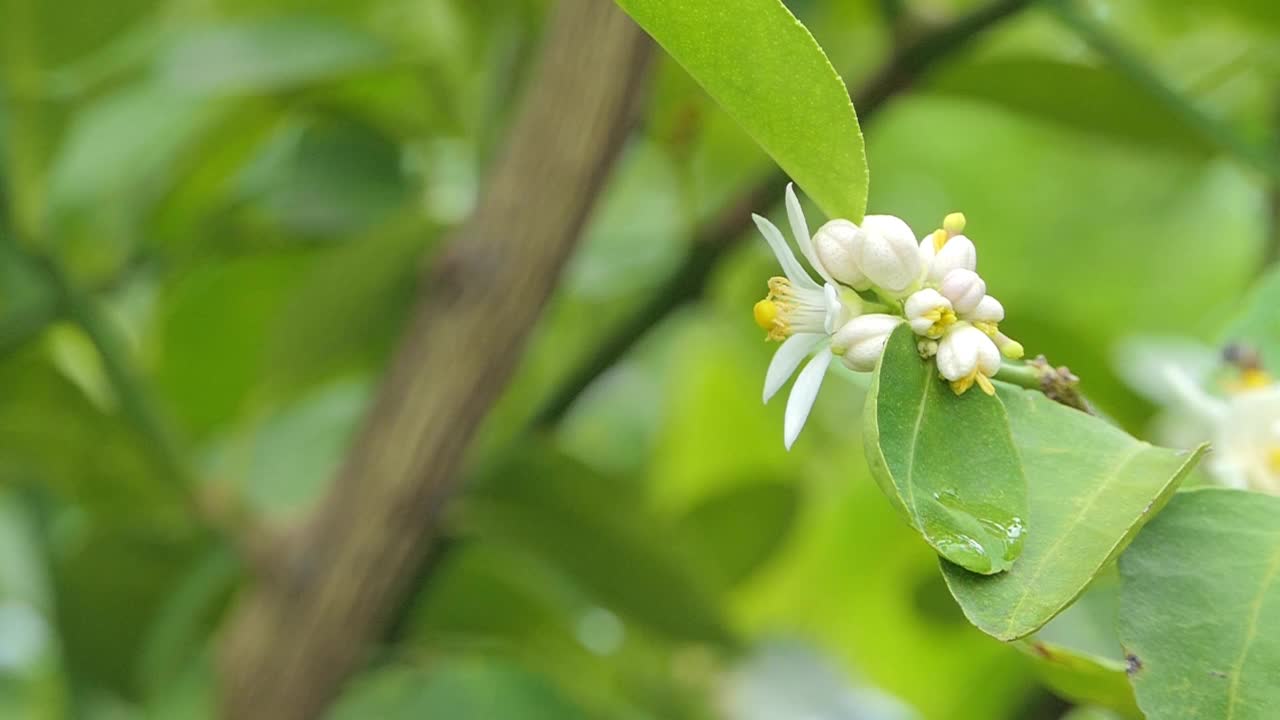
x: 948, y: 461
x: 764, y: 68
x: 1200, y: 607
x: 1083, y: 678
x: 1078, y: 654
x: 1070, y: 93
x: 737, y: 531
x: 1092, y: 486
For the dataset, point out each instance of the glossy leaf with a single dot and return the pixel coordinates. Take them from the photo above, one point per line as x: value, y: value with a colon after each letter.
x: 1200, y: 607
x: 768, y: 73
x: 1092, y: 486
x: 948, y: 461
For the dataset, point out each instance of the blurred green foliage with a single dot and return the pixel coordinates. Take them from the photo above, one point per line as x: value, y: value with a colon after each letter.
x: 246, y: 191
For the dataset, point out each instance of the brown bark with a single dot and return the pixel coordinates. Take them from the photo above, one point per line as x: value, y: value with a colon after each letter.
x: 297, y: 635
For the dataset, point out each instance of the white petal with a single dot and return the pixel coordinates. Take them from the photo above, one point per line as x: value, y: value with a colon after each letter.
x: 988, y: 309
x: 790, y: 266
x: 800, y: 229
x: 835, y: 308
x: 805, y: 391
x: 786, y: 359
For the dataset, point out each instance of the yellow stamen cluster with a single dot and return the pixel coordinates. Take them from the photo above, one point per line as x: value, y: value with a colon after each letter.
x: 770, y: 313
x: 960, y: 386
x: 1251, y: 378
x: 1273, y: 460
x: 943, y: 317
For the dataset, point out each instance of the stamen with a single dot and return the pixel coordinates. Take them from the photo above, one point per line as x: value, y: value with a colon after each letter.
x: 1273, y: 459
x: 943, y: 318
x: 940, y: 238
x: 963, y: 384
x: 984, y: 382
x: 954, y: 223
x: 1254, y: 378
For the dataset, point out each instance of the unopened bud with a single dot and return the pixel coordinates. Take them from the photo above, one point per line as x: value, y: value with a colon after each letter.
x: 860, y: 342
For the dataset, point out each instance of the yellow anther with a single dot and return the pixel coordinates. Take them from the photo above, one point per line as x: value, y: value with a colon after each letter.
x: 984, y: 382
x: 961, y: 386
x: 987, y: 327
x: 1254, y: 378
x: 954, y: 223
x: 943, y: 317
x: 1273, y: 459
x: 766, y: 312
x: 940, y: 238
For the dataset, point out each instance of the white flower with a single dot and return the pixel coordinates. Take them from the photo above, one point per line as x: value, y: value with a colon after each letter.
x: 967, y: 355
x: 834, y: 244
x: 802, y: 314
x: 1247, y: 442
x: 929, y: 313
x: 886, y: 252
x: 1245, y: 428
x: 860, y: 342
x: 964, y: 288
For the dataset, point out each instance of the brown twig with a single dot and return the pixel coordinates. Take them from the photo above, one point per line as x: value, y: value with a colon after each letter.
x: 716, y: 237
x: 293, y: 640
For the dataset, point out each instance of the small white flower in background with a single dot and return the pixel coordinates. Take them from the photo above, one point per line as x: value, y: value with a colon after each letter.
x: 1242, y: 424
x: 875, y: 277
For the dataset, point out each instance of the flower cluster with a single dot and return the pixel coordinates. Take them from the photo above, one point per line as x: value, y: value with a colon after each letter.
x: 874, y: 277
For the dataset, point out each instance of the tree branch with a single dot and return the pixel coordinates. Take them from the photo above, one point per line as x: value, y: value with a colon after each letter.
x: 715, y: 238
x: 293, y: 640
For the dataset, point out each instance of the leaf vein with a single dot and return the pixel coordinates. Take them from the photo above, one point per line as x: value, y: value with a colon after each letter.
x: 1251, y: 631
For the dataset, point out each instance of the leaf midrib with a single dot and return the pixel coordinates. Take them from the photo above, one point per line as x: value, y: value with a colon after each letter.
x: 1070, y: 527
x: 1251, y: 631
x: 911, y: 457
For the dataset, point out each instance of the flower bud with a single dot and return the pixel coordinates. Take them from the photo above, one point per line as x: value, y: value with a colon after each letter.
x: 886, y: 252
x: 988, y: 310
x: 834, y: 244
x: 861, y: 341
x: 929, y: 313
x: 966, y: 351
x: 964, y: 289
x: 956, y: 253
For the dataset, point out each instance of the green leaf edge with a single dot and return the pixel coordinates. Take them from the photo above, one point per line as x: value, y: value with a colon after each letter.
x: 859, y: 210
x: 1166, y: 494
